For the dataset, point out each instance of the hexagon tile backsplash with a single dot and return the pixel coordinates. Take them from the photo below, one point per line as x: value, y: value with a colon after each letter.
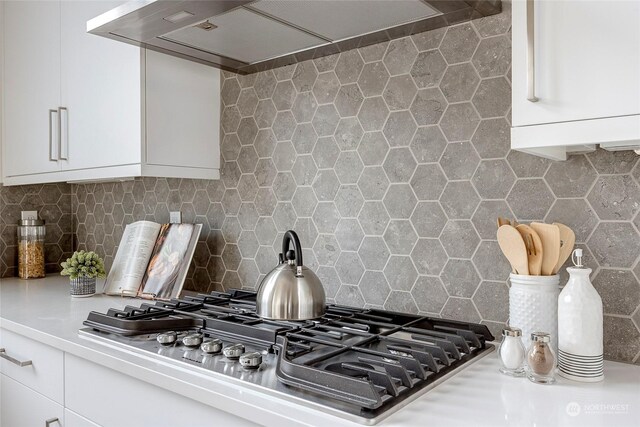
x: 392, y: 163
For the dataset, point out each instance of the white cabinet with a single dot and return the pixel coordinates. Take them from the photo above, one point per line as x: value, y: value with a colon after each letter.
x: 586, y: 76
x: 71, y: 419
x: 22, y: 407
x: 80, y: 107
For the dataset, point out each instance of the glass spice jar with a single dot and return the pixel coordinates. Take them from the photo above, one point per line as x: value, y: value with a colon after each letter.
x: 512, y: 352
x: 31, y: 234
x: 540, y: 359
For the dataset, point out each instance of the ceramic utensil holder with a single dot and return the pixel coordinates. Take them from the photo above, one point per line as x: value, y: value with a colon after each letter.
x: 533, y: 306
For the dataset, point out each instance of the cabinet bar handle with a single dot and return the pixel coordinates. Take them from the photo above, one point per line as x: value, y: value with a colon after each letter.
x: 47, y: 423
x: 53, y: 133
x: 63, y: 128
x: 5, y: 356
x: 531, y: 54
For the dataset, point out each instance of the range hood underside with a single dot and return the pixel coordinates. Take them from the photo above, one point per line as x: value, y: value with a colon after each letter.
x: 251, y: 36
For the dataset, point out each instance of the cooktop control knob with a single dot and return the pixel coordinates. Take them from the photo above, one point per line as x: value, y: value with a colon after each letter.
x: 167, y: 338
x: 251, y: 360
x: 233, y: 351
x: 192, y: 340
x: 213, y: 346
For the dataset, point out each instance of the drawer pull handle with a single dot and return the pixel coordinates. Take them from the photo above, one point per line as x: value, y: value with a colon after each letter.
x: 531, y: 53
x: 4, y: 355
x: 50, y: 421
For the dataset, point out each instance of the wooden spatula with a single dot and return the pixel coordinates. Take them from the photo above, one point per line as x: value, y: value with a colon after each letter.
x: 550, y: 237
x: 534, y: 248
x: 567, y: 242
x: 513, y: 248
x: 503, y: 221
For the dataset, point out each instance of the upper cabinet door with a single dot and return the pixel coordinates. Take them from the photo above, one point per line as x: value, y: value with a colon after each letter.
x: 587, y: 60
x: 101, y: 89
x: 31, y: 86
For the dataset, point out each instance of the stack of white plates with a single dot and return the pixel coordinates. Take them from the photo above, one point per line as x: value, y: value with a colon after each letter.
x: 580, y: 368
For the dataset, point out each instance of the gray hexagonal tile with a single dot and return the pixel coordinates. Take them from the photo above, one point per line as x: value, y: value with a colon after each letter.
x: 373, y: 148
x: 326, y: 120
x: 265, y: 201
x: 304, y: 170
x: 266, y: 259
x: 326, y: 217
x: 374, y: 287
x: 493, y: 179
x: 493, y: 56
x: 459, y: 122
x: 428, y: 219
x: 526, y: 165
x: 284, y: 156
x: 284, y: 216
x: 428, y: 69
x: 492, y: 300
x: 459, y: 160
x: 374, y: 52
x: 330, y: 280
x: 326, y: 63
x: 615, y: 197
x: 248, y: 273
x: 230, y: 119
x: 349, y: 268
x: 231, y: 202
x: 304, y: 107
x: 621, y: 339
x: 348, y: 133
x: 571, y: 178
x: 350, y: 295
x: 349, y: 66
x: 247, y: 102
x: 459, y: 82
x: 304, y: 138
x: 373, y: 253
x: 248, y: 244
x: 428, y: 106
x: 490, y: 263
x: 265, y: 114
x: 493, y: 97
x: 523, y: 193
x: 492, y: 138
x: 576, y: 214
x: 247, y: 159
x: 428, y: 40
x: 399, y: 165
x: 460, y: 278
x: 348, y: 167
x: 615, y: 244
x: 459, y: 239
x: 373, y: 78
x: 325, y: 152
x: 428, y: 144
x: 349, y: 234
x: 400, y: 92
x: 284, y: 95
x: 349, y: 100
x: 247, y: 131
x: 304, y: 201
x: 494, y: 24
x: 612, y: 162
x: 231, y: 229
x: 429, y: 256
x: 231, y: 257
x: 400, y: 237
x: 373, y: 218
x: 230, y: 147
x: 459, y: 200
x: 284, y: 186
x: 284, y: 125
x: 373, y: 183
x: 399, y: 129
x: 400, y: 201
x: 429, y: 294
x: 349, y: 201
x: 400, y: 273
x: 231, y: 280
x: 400, y: 56
x: 230, y: 91
x: 326, y: 87
x: 428, y: 181
x: 459, y: 43
x: 401, y: 301
x: 248, y: 216
x: 308, y: 233
x: 265, y: 143
x: 326, y: 249
x: 326, y: 185
x: 304, y: 76
x: 484, y: 219
x: 373, y: 113
x: 619, y: 290
x: 265, y: 84
x: 265, y: 172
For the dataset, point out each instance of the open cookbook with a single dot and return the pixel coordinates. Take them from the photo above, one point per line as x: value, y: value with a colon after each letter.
x: 152, y: 260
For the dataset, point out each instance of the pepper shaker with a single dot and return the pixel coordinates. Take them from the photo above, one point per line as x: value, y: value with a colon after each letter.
x: 540, y: 359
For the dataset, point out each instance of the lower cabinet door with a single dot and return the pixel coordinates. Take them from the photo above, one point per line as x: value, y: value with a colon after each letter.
x: 71, y: 419
x: 22, y: 407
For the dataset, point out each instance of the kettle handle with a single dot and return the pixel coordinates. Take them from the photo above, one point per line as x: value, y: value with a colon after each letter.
x: 291, y: 236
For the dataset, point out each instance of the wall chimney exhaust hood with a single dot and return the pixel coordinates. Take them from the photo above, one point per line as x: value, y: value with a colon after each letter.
x: 250, y: 36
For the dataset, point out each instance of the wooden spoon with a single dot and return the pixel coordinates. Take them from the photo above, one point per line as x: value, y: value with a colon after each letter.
x: 567, y: 242
x: 513, y: 248
x: 550, y: 237
x: 534, y: 248
x: 503, y: 221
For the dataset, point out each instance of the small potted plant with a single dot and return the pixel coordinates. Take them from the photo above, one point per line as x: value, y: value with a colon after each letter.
x: 83, y: 268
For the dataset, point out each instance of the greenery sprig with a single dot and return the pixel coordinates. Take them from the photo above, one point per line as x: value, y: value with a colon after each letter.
x: 84, y: 264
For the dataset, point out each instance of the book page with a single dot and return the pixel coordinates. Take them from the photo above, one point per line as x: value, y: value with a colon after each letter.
x: 170, y: 260
x: 131, y: 260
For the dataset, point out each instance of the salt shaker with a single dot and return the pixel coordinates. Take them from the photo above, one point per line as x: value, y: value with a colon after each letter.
x: 512, y: 352
x: 540, y: 359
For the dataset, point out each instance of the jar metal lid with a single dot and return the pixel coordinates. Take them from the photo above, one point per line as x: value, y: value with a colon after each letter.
x: 540, y: 337
x: 27, y: 222
x: 511, y: 332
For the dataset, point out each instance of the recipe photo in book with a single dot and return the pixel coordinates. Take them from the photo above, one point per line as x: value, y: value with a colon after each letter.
x: 152, y: 260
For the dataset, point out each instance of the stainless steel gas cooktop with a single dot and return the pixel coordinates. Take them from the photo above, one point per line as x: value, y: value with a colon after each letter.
x: 358, y: 364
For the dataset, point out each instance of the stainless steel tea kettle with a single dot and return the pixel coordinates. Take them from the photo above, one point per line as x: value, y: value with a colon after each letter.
x: 290, y: 291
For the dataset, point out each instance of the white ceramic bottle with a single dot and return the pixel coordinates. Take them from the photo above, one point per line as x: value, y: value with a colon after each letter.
x: 580, y: 342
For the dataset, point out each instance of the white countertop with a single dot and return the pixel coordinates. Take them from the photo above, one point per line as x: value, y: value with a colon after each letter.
x: 479, y: 395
